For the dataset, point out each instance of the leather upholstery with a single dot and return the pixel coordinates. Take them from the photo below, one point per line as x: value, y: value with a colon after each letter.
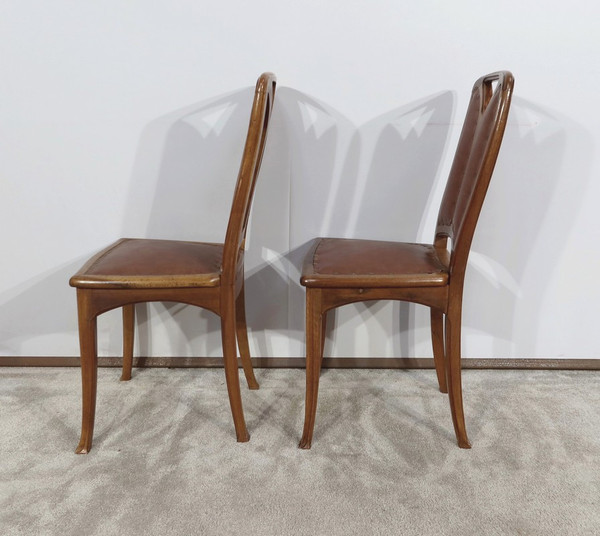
x: 373, y: 263
x: 142, y: 263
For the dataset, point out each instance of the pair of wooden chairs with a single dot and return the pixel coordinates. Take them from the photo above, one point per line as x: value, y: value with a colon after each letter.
x: 336, y: 271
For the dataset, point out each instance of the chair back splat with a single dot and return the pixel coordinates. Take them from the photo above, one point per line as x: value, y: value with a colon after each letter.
x: 340, y: 271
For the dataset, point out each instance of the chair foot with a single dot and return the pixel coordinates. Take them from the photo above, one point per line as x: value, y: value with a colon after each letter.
x: 253, y: 385
x: 243, y: 437
x: 125, y: 377
x: 305, y: 443
x: 85, y: 445
x: 464, y: 444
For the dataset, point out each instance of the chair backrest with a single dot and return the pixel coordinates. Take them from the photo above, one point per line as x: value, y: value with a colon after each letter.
x: 249, y: 168
x: 472, y: 168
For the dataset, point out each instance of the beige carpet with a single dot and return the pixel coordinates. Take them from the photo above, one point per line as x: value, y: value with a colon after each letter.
x: 384, y: 460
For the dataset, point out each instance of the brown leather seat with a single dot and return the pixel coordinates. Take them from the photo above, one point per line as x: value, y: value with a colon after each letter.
x: 339, y: 271
x: 144, y: 263
x: 356, y: 263
x: 197, y: 273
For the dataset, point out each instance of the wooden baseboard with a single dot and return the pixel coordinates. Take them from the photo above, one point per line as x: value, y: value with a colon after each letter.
x: 298, y: 362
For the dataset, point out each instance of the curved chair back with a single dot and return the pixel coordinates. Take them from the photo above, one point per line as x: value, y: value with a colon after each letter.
x: 472, y: 168
x: 249, y: 168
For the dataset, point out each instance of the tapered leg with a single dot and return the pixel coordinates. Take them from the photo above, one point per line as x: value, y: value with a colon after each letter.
x: 128, y: 335
x: 314, y: 348
x: 89, y: 371
x: 231, y: 367
x: 453, y: 367
x: 437, y: 340
x: 242, y: 339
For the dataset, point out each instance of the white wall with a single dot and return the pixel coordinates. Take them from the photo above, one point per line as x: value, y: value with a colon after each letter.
x: 127, y: 118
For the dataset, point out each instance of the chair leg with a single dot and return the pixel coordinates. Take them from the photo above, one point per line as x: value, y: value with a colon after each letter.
x: 128, y: 336
x: 232, y: 376
x: 242, y: 339
x: 323, y: 333
x: 89, y: 372
x: 453, y: 367
x: 437, y: 341
x: 314, y: 348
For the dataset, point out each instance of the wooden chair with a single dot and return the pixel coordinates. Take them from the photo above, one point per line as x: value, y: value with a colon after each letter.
x: 337, y: 272
x: 207, y: 275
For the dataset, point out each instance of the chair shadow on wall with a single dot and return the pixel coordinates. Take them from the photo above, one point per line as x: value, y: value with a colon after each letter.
x: 182, y: 186
x: 524, y: 226
x: 534, y: 196
x: 375, y: 181
x: 32, y: 304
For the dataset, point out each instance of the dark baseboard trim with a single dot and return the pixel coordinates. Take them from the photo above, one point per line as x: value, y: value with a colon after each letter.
x: 298, y: 362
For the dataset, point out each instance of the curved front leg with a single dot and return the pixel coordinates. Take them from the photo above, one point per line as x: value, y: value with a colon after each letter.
x: 314, y: 350
x: 89, y: 369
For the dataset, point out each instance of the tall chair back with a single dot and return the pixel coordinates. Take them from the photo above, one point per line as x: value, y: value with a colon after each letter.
x: 246, y: 182
x: 472, y: 167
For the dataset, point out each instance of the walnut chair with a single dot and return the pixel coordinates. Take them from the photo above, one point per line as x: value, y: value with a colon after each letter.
x: 207, y: 275
x: 337, y: 272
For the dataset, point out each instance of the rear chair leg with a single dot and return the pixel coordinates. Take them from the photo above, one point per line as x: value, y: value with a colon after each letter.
x: 128, y: 335
x: 437, y: 341
x: 232, y: 376
x: 242, y: 340
x: 323, y: 334
x: 453, y: 367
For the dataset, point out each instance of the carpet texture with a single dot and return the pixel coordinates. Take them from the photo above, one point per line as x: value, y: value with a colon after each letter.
x: 384, y: 459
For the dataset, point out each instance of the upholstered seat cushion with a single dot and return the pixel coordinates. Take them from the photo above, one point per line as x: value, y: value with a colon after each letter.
x: 354, y: 263
x: 142, y: 263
